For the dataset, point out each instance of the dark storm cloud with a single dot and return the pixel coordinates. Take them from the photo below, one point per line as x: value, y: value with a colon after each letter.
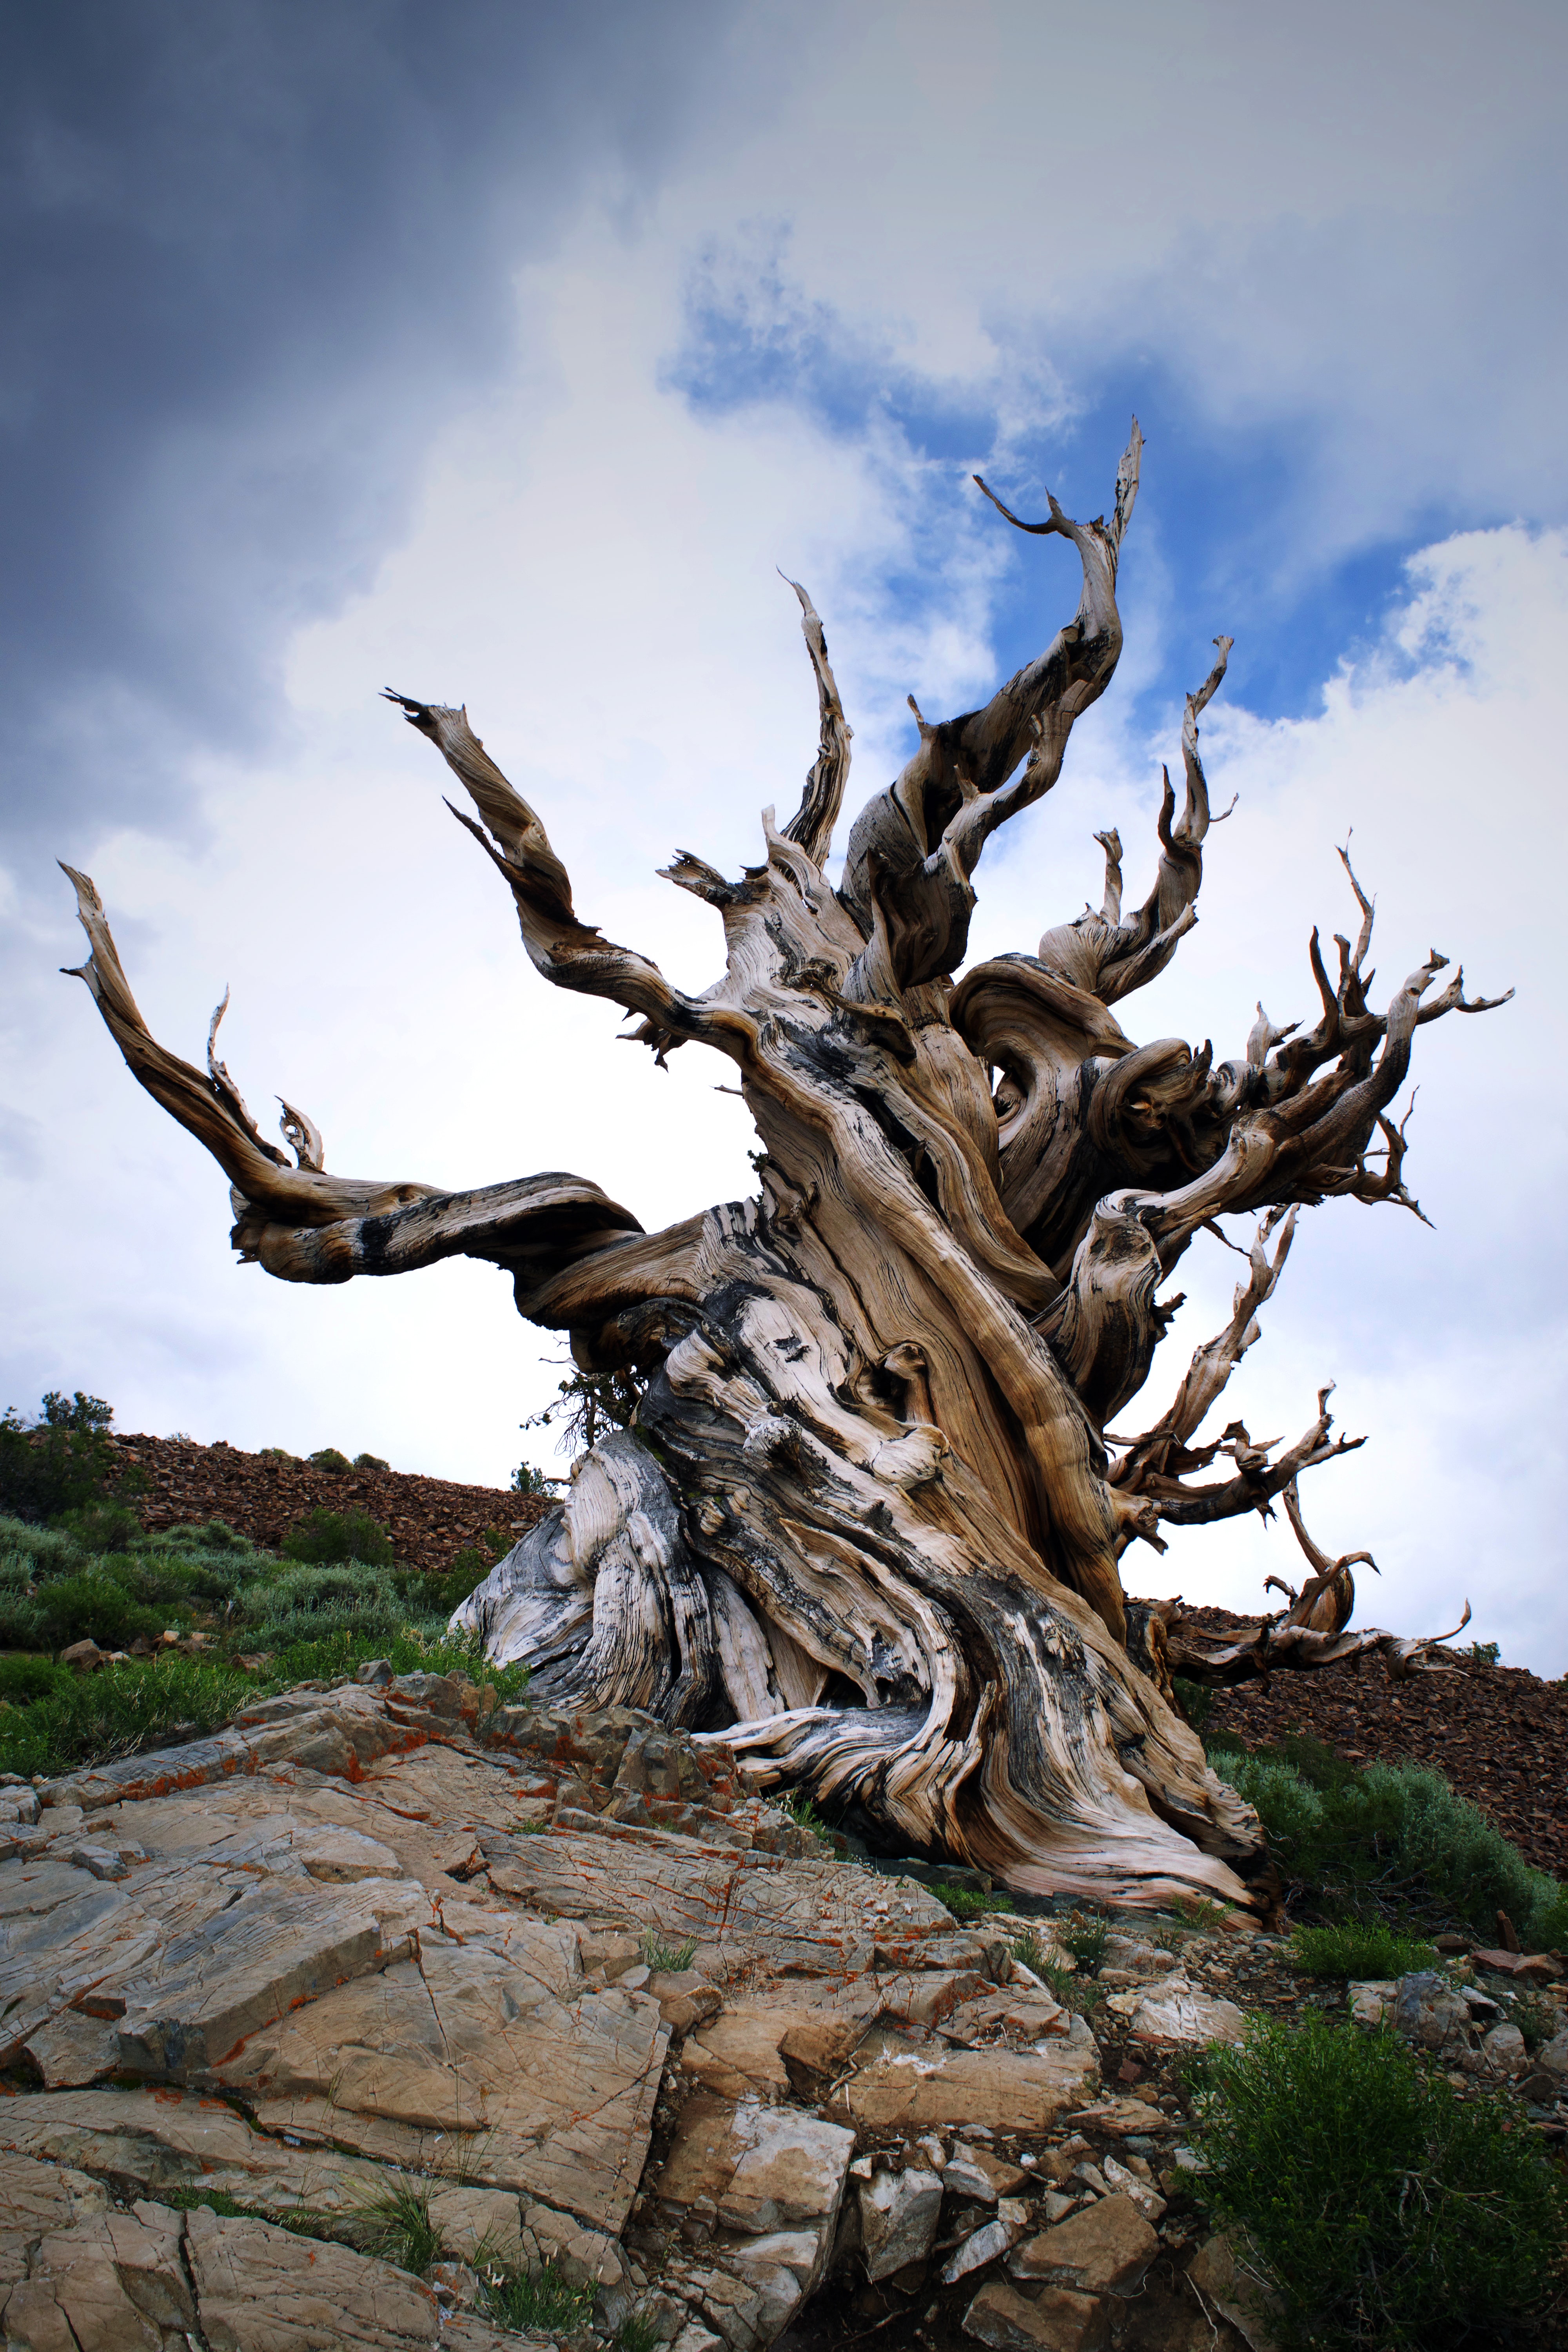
x: 251, y: 253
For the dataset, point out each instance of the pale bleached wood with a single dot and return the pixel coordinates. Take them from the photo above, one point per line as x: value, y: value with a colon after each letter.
x: 867, y: 1524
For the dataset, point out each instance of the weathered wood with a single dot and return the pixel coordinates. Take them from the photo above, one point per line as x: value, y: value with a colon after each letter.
x: 868, y: 1521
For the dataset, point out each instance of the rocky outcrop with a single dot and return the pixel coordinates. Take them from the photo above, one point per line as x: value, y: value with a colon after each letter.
x: 601, y: 2017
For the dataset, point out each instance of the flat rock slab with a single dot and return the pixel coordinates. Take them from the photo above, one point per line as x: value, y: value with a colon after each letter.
x: 1013, y: 2091
x: 552, y: 2087
x: 1052, y: 2320
x: 1105, y: 2249
x: 817, y: 1917
x: 35, y: 2198
x: 1173, y: 2009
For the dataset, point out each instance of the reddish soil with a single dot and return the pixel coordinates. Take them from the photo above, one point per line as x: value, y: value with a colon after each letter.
x: 1497, y: 1734
x: 428, y: 1520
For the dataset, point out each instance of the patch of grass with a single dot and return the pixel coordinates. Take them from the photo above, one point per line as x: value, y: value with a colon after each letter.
x: 804, y: 1814
x: 962, y: 1901
x: 322, y: 1536
x: 120, y: 1711
x: 540, y: 2298
x: 1358, y: 1948
x: 1200, y: 1914
x: 1085, y: 1938
x: 667, y: 1959
x: 1075, y: 1993
x: 303, y: 2224
x: 1389, y: 2212
x: 636, y: 2334
x: 395, y: 2226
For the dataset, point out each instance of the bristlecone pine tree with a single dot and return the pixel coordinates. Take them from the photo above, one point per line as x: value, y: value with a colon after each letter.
x: 868, y: 1522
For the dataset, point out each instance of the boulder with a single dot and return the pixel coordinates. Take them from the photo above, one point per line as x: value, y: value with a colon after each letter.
x: 82, y: 1657
x: 1175, y: 2010
x: 1427, y: 2011
x: 1235, y: 2293
x: 1022, y: 2091
x: 989, y: 2242
x: 1055, y: 2320
x: 898, y: 2214
x: 1105, y: 2248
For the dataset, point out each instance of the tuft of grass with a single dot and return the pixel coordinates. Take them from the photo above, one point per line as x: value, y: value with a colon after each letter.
x: 303, y: 2224
x: 539, y: 2298
x: 395, y: 2226
x: 1028, y: 1948
x: 804, y: 1814
x: 636, y: 2334
x: 668, y: 1958
x: 1358, y: 1948
x: 962, y: 1901
x: 1399, y: 1827
x: 1085, y: 1938
x: 1391, y: 2215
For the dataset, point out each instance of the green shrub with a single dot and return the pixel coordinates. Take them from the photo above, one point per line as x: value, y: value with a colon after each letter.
x: 42, y: 1551
x: 447, y: 1588
x: 311, y: 1604
x: 370, y: 1462
x: 24, y: 1679
x: 212, y: 1535
x: 62, y: 1461
x: 324, y: 1535
x: 1393, y: 2216
x: 1399, y: 1825
x: 527, y: 1480
x: 101, y: 1527
x: 90, y: 1719
x: 1358, y: 1949
x: 22, y: 1626
x: 412, y: 1650
x: 96, y: 1606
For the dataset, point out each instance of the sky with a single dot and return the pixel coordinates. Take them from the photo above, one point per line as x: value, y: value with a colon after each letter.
x: 512, y: 367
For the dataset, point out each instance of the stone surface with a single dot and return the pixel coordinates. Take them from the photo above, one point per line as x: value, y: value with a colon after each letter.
x: 1504, y: 2051
x: 1215, y: 2276
x: 899, y: 2213
x: 261, y: 2289
x: 1428, y: 2011
x: 988, y: 2243
x: 1022, y: 2092
x: 1104, y: 2249
x: 1553, y: 2057
x: 35, y: 2198
x: 1175, y: 2010
x: 112, y: 2282
x: 1056, y: 2320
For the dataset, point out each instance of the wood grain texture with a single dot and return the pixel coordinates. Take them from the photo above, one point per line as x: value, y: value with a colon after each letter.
x: 870, y: 1522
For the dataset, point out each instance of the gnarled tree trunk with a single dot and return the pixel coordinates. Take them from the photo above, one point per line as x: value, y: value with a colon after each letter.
x: 869, y: 1521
